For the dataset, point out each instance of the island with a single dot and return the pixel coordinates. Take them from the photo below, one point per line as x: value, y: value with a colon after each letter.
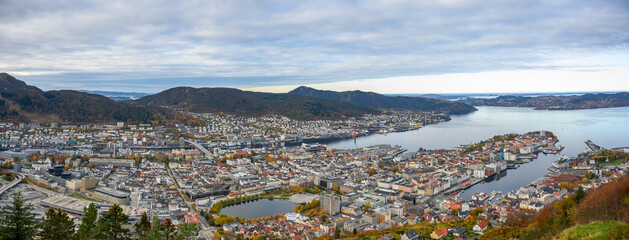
x: 585, y: 101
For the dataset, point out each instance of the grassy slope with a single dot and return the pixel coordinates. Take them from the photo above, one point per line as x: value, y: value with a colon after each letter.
x: 596, y: 230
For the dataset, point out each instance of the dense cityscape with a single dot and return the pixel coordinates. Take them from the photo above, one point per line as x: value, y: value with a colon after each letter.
x: 188, y: 175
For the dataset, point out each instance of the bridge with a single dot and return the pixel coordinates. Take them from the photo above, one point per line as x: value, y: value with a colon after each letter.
x: 593, y: 146
x: 201, y: 148
x: 11, y: 184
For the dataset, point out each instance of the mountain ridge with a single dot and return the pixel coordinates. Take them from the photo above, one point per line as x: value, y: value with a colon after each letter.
x: 20, y: 102
x: 247, y: 103
x: 379, y: 101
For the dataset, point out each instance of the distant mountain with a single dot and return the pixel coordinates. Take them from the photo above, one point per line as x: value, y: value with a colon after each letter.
x: 246, y: 103
x: 379, y: 101
x: 585, y: 101
x: 24, y: 103
x: 118, y: 96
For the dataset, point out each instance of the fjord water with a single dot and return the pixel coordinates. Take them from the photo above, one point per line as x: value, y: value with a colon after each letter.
x: 607, y: 127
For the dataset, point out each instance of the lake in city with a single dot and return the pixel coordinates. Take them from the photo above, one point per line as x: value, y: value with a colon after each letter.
x: 259, y: 208
x: 607, y: 127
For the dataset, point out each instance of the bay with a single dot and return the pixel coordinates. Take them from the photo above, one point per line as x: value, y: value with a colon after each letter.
x: 607, y: 127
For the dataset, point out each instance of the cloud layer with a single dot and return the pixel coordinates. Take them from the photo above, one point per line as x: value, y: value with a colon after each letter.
x: 153, y: 45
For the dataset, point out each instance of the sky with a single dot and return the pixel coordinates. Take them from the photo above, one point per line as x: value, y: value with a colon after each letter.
x: 385, y: 46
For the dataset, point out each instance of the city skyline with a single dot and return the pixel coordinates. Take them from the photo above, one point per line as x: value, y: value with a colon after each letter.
x: 386, y: 47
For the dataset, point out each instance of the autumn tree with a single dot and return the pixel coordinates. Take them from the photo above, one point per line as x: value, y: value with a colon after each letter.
x: 521, y: 218
x: 170, y: 230
x: 454, y: 211
x: 608, y: 202
x: 476, y: 211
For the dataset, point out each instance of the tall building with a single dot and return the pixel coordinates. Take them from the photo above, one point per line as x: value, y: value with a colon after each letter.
x: 331, y: 204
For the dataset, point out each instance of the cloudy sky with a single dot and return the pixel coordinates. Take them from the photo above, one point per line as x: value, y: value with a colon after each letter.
x: 387, y: 46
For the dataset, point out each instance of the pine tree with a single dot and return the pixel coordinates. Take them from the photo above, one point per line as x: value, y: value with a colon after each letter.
x: 17, y: 223
x: 88, y: 228
x: 56, y: 226
x: 156, y: 232
x: 579, y: 195
x: 143, y: 227
x: 111, y: 224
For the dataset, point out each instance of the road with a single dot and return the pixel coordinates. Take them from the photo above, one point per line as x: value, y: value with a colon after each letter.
x: 203, y: 221
x: 11, y: 184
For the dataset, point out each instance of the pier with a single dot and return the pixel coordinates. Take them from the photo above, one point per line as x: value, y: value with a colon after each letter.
x: 593, y: 146
x: 463, y: 187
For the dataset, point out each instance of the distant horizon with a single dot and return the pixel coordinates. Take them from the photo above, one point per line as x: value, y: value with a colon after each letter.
x: 387, y: 94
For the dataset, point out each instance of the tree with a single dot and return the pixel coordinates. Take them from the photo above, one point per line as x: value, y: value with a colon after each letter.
x: 454, y: 211
x: 143, y: 227
x: 324, y: 218
x: 476, y: 211
x: 367, y: 207
x: 579, y: 195
x: 111, y: 224
x: 156, y: 232
x: 335, y: 188
x: 210, y: 219
x: 56, y: 226
x: 337, y: 232
x: 217, y: 235
x: 170, y: 230
x: 322, y: 212
x: 88, y: 228
x: 187, y: 231
x: 17, y: 222
x: 372, y: 171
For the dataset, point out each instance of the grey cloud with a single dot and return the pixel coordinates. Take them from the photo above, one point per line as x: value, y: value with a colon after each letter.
x: 315, y: 41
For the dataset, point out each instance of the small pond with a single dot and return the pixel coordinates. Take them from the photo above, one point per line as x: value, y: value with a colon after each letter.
x: 259, y: 208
